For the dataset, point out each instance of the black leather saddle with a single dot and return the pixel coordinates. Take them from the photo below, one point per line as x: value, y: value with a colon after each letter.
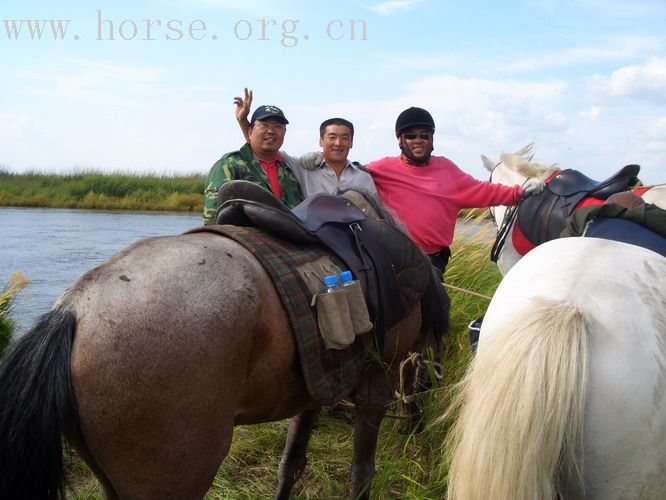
x: 385, y: 261
x: 542, y: 217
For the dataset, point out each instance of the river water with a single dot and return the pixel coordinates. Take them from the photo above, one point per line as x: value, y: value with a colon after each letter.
x: 53, y: 247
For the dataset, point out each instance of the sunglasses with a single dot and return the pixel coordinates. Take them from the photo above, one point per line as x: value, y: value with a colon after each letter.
x: 413, y: 135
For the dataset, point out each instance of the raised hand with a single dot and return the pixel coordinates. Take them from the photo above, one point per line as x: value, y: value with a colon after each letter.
x: 243, y: 106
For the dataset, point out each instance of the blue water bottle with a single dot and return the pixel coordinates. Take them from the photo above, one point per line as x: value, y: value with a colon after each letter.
x: 331, y: 284
x: 346, y: 278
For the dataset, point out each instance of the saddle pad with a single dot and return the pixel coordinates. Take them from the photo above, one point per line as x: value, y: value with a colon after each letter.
x: 627, y: 232
x: 329, y: 374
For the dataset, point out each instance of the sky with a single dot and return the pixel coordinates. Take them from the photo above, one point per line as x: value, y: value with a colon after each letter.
x: 148, y: 87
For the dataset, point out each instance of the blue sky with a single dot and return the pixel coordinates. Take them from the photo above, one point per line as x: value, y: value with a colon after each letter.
x: 584, y: 80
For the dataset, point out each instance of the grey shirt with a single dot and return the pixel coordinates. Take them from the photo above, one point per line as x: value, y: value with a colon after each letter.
x: 321, y: 178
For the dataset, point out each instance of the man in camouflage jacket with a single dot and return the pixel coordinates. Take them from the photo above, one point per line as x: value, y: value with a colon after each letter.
x: 257, y: 161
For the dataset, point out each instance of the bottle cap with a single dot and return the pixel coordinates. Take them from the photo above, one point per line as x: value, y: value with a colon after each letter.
x: 346, y: 276
x: 331, y: 280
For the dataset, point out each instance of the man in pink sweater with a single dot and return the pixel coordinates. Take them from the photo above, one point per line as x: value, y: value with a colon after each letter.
x: 427, y: 192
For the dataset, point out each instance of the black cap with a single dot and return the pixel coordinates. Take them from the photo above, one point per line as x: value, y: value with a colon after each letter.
x: 414, y: 118
x: 266, y: 111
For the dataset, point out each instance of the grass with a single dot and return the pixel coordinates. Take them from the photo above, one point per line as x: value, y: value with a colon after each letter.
x: 410, y: 466
x: 102, y: 191
x: 16, y: 283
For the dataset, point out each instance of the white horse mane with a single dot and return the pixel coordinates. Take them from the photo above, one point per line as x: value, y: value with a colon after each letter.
x: 522, y: 163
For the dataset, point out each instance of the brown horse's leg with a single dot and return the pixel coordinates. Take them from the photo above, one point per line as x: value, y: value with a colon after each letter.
x: 366, y: 428
x: 108, y: 492
x: 293, y: 457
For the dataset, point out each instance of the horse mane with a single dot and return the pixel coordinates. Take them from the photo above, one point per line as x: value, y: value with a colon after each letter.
x: 522, y: 162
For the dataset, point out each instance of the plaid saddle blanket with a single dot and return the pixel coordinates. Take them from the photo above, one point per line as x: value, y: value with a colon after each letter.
x: 330, y: 374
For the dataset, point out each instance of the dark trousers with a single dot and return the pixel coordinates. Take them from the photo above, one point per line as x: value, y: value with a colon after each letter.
x: 440, y: 260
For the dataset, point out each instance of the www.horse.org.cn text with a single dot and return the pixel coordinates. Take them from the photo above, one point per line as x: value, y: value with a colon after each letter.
x: 286, y: 32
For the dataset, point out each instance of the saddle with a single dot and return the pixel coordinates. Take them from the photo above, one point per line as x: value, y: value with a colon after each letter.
x: 381, y: 257
x: 542, y: 217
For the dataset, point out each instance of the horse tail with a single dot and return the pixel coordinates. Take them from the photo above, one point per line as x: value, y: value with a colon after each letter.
x: 37, y: 407
x: 520, y: 406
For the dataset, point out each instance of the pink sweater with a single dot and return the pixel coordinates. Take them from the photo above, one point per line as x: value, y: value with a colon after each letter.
x: 427, y: 199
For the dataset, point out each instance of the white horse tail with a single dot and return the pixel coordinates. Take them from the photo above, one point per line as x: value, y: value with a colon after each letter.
x: 520, y: 406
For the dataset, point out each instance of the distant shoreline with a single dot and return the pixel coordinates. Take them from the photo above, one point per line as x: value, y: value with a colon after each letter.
x: 94, y: 190
x: 98, y: 191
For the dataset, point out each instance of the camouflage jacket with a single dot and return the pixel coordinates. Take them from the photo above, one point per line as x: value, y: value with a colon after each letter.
x: 242, y: 165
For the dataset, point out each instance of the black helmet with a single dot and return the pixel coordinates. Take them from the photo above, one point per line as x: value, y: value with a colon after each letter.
x: 412, y: 118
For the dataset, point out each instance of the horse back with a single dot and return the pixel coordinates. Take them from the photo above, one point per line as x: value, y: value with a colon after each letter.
x: 178, y: 338
x: 615, y: 287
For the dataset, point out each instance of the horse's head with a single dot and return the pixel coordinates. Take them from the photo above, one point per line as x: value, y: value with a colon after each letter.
x: 512, y: 169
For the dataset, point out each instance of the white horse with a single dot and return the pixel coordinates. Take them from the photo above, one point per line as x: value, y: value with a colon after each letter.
x: 566, y: 396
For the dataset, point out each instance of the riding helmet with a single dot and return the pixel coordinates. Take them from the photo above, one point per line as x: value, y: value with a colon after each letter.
x: 412, y: 118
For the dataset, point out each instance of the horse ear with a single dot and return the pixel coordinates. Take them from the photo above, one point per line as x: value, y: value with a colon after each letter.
x: 488, y: 163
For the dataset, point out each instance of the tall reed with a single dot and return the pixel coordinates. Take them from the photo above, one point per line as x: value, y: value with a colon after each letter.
x: 17, y: 282
x: 102, y: 191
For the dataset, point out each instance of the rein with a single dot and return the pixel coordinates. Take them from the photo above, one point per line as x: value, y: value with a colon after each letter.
x: 507, y: 221
x: 509, y: 218
x: 503, y: 231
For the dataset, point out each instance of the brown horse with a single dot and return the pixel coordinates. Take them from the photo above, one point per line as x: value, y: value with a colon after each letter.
x: 147, y: 362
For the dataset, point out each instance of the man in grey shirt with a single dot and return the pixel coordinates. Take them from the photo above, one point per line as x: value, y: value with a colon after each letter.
x: 330, y: 171
x: 334, y: 171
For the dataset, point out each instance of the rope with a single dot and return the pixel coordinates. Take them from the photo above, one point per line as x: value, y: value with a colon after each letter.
x: 421, y: 363
x: 467, y: 291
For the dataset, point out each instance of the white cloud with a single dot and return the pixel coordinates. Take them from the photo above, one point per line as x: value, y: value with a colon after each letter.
x: 608, y: 49
x: 391, y: 6
x: 485, y: 104
x: 92, y: 81
x: 494, y: 116
x: 592, y: 113
x: 12, y: 125
x: 644, y: 82
x: 656, y: 129
x: 472, y: 116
